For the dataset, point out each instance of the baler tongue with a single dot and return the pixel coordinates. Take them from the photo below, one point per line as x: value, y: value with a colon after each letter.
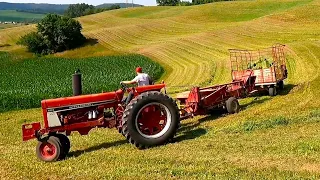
x: 183, y: 95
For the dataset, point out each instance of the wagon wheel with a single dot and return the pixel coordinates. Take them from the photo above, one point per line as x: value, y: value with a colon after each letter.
x: 150, y: 119
x: 49, y: 149
x: 281, y: 85
x: 232, y: 105
x: 272, y: 91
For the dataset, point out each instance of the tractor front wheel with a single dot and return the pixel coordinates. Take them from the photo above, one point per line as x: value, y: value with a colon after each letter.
x: 65, y: 144
x: 150, y: 119
x: 232, y: 105
x: 49, y: 149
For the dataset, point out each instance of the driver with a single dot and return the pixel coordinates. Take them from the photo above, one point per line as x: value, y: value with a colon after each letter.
x: 142, y: 79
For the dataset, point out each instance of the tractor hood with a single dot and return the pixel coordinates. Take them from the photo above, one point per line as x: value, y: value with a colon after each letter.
x: 82, y: 100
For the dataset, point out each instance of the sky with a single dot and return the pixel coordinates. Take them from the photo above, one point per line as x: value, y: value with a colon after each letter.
x: 93, y: 2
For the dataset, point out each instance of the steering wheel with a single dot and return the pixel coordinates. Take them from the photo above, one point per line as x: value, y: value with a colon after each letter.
x: 124, y: 86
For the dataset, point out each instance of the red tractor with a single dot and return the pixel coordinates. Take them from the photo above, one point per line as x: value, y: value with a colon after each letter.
x: 151, y: 118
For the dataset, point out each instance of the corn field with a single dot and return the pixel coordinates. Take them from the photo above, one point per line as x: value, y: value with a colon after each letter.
x: 24, y: 83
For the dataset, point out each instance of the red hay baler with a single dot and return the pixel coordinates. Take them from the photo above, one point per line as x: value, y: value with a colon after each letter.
x: 151, y: 118
x: 201, y: 101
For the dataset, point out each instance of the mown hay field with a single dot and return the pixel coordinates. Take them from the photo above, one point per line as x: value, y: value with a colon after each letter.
x: 270, y: 138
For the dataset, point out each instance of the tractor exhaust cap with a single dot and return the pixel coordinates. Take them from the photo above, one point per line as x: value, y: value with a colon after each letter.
x: 77, y: 83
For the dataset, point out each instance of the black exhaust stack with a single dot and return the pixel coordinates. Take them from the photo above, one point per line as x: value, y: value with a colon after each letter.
x: 77, y: 83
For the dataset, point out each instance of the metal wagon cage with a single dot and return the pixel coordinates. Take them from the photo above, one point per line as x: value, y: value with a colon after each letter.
x: 268, y: 65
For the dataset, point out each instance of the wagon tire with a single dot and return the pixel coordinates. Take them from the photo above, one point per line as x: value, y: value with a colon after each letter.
x: 119, y: 129
x: 65, y: 144
x: 49, y: 149
x: 232, y: 105
x: 272, y: 91
x: 150, y: 119
x: 281, y: 85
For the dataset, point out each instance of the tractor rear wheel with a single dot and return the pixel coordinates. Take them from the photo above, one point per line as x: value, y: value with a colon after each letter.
x: 65, y: 144
x: 49, y: 149
x: 150, y: 119
x: 232, y: 105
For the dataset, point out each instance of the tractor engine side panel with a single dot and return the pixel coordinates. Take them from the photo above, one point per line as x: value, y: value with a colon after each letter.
x: 72, y: 114
x: 75, y: 109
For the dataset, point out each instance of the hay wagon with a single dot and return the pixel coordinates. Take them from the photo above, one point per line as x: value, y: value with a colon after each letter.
x: 268, y: 65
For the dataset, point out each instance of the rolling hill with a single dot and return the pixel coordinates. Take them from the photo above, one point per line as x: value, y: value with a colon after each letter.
x: 270, y: 138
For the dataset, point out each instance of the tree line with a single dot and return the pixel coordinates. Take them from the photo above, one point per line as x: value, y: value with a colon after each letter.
x: 185, y: 3
x: 41, y: 11
x: 78, y: 10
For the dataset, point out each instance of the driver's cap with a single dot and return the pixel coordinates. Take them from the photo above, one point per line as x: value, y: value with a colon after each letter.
x: 139, y: 69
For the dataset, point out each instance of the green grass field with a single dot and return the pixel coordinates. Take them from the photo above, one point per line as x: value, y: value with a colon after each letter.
x: 3, y: 26
x: 25, y: 82
x: 15, y: 16
x: 271, y: 138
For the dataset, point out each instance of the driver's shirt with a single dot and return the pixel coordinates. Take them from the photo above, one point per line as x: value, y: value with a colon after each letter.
x: 142, y: 79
